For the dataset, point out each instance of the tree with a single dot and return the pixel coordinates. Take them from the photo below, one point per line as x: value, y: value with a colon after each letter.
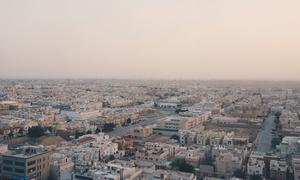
x: 21, y: 132
x: 98, y: 130
x: 255, y: 177
x: 78, y: 134
x: 36, y: 132
x: 11, y: 135
x: 275, y: 141
x: 111, y: 157
x: 277, y: 121
x: 177, y: 111
x: 278, y: 114
x: 128, y: 121
x: 107, y: 127
x: 182, y: 165
x: 239, y: 174
x: 207, y: 160
x: 50, y: 129
x: 89, y: 132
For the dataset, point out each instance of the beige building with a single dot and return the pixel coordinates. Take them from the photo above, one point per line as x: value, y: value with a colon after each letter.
x: 173, y: 124
x: 210, y: 138
x: 191, y: 156
x: 157, y: 152
x: 154, y: 156
x: 142, y: 132
x: 9, y: 105
x: 60, y: 165
x: 227, y: 163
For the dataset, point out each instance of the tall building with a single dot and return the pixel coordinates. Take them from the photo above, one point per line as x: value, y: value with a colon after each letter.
x: 296, y: 167
x: 30, y: 162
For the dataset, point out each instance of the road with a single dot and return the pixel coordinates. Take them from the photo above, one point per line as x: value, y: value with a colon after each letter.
x: 263, y: 140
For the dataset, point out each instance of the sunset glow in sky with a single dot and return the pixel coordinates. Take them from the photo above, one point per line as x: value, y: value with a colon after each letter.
x: 181, y: 39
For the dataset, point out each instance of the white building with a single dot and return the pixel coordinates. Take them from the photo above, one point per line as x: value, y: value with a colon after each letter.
x: 256, y: 165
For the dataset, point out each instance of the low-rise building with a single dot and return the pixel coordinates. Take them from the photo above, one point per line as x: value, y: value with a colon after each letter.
x: 167, y: 175
x: 173, y: 124
x: 296, y: 167
x: 278, y: 170
x: 61, y: 166
x: 142, y: 132
x: 227, y: 163
x: 256, y: 165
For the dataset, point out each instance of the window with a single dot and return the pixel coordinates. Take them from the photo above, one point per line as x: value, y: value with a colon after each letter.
x: 19, y: 170
x: 7, y: 168
x: 31, y: 170
x: 19, y: 163
x: 7, y: 162
x: 31, y: 163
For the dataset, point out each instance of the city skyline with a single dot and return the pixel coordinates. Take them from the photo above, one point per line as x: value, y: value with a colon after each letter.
x: 200, y: 40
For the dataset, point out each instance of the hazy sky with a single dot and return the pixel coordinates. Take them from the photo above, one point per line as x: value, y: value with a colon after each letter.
x: 186, y: 39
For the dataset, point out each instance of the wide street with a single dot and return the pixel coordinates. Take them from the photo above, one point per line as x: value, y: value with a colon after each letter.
x: 263, y: 142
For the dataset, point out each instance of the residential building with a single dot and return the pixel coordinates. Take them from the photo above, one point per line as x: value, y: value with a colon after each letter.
x: 278, y: 170
x: 28, y: 162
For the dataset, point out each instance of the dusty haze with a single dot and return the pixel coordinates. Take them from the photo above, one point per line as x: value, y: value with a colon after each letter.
x: 184, y: 39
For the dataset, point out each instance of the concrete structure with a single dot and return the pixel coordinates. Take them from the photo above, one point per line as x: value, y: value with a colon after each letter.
x: 296, y: 168
x: 173, y: 124
x: 60, y: 166
x: 30, y: 163
x: 167, y: 175
x: 142, y: 132
x: 227, y: 163
x: 114, y: 170
x: 256, y: 165
x: 278, y: 170
x: 157, y: 152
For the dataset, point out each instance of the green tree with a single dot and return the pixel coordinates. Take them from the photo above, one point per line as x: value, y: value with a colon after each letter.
x: 275, y: 141
x: 21, y: 132
x: 255, y: 177
x: 111, y: 157
x: 107, y: 127
x: 207, y: 160
x: 36, y: 132
x: 98, y: 130
x: 239, y: 174
x: 128, y: 121
x: 276, y: 121
x: 11, y: 135
x: 182, y: 165
x: 78, y: 134
x: 278, y: 114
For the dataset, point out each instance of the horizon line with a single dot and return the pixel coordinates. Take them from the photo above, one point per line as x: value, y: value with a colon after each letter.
x: 155, y: 79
